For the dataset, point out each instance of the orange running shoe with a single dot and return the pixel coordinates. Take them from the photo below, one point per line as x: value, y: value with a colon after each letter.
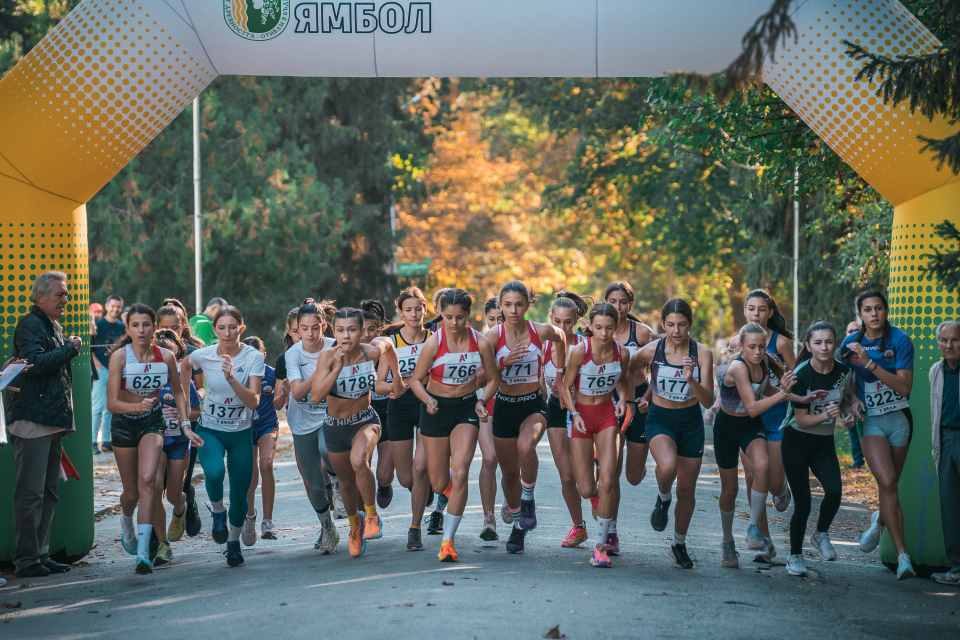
x: 358, y: 544
x: 371, y: 529
x: 575, y: 537
x: 600, y: 557
x: 447, y: 554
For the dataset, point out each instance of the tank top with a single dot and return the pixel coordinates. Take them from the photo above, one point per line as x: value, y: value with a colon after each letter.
x: 528, y: 369
x: 452, y: 368
x: 549, y: 366
x: 632, y: 345
x: 595, y: 379
x: 408, y: 355
x: 772, y: 350
x: 355, y: 380
x: 667, y: 379
x: 143, y: 378
x: 730, y: 396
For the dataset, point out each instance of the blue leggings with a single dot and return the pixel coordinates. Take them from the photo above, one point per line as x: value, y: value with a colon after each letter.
x: 238, y: 447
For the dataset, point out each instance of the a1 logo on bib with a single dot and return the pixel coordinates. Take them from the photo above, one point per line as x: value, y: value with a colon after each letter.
x: 257, y: 19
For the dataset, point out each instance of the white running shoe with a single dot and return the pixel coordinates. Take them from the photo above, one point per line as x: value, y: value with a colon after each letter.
x: 821, y: 542
x: 905, y: 567
x: 249, y: 532
x: 329, y: 537
x: 754, y: 538
x: 950, y: 577
x: 505, y: 514
x: 339, y: 511
x: 782, y: 502
x: 871, y: 537
x: 795, y: 566
x: 730, y: 558
x: 268, y: 530
x: 128, y: 536
x: 767, y: 554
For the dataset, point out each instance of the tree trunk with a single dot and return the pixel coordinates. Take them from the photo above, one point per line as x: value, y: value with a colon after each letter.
x: 736, y: 294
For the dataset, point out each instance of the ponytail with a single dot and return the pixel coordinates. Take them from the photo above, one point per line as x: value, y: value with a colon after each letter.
x: 862, y: 332
x: 776, y: 322
x: 291, y: 319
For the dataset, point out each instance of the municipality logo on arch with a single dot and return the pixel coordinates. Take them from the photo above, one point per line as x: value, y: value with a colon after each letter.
x: 257, y: 19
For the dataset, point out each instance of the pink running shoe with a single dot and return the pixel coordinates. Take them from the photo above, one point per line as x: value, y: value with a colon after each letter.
x: 613, y: 544
x: 595, y: 503
x: 574, y: 538
x: 599, y: 557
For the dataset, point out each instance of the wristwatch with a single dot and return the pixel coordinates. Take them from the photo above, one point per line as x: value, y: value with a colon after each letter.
x: 185, y: 423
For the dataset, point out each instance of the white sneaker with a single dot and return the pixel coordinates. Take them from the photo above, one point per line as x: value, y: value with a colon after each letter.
x: 767, y: 554
x: 905, y: 567
x: 782, y: 502
x: 821, y: 542
x: 329, y: 537
x: 268, y: 530
x: 248, y: 535
x: 128, y: 536
x: 950, y: 577
x: 339, y: 511
x: 795, y: 566
x: 505, y: 514
x: 871, y: 537
x: 754, y: 538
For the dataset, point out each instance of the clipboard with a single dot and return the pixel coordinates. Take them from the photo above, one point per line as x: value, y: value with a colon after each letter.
x: 7, y: 375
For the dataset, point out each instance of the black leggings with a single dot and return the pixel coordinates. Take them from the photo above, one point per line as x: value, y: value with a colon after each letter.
x: 803, y: 453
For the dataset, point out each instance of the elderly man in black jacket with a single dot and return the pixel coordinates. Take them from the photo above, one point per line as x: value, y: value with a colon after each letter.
x: 37, y: 417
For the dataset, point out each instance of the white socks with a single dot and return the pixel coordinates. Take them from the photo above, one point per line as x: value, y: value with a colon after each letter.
x: 758, y: 506
x: 613, y: 526
x: 666, y: 497
x: 602, y: 530
x: 527, y: 490
x: 678, y: 538
x: 726, y: 521
x: 234, y: 534
x: 450, y: 524
x: 143, y: 540
x: 217, y: 506
x: 335, y: 481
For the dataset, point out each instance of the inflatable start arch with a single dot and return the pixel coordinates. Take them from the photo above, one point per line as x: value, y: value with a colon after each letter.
x: 114, y: 73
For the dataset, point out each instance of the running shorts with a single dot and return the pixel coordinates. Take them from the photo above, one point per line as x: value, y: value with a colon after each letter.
x: 596, y: 418
x: 733, y: 433
x: 637, y: 431
x: 128, y: 430
x: 511, y: 411
x: 176, y: 448
x: 896, y: 427
x: 403, y: 418
x: 772, y: 419
x: 683, y: 426
x: 339, y: 432
x: 450, y: 413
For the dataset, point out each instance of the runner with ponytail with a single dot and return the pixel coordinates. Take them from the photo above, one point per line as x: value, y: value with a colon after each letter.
x: 374, y: 319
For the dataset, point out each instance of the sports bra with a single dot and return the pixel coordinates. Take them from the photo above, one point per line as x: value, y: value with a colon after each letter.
x: 355, y: 380
x: 528, y: 369
x: 549, y: 366
x: 730, y: 396
x: 633, y: 343
x: 407, y: 354
x: 595, y: 379
x: 668, y: 381
x: 453, y: 368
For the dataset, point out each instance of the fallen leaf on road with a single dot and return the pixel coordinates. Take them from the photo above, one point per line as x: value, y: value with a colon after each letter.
x: 283, y: 604
x: 518, y: 602
x: 8, y: 605
x: 554, y: 633
x: 25, y: 585
x: 447, y: 584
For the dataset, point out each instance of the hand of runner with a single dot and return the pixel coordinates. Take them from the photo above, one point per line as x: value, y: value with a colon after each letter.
x: 399, y: 388
x: 642, y: 405
x: 861, y: 353
x: 819, y: 394
x: 147, y: 404
x: 578, y: 424
x: 787, y: 380
x: 192, y: 436
x: 688, y: 369
x: 432, y: 406
x: 833, y: 411
x: 338, y: 356
x: 169, y: 413
x: 481, y: 409
x: 227, y: 368
x: 515, y: 356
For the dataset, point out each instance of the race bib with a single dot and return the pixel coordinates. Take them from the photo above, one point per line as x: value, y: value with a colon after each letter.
x: 355, y: 380
x: 408, y: 357
x: 171, y: 425
x: 523, y: 372
x: 308, y: 406
x: 881, y: 399
x: 143, y: 378
x: 671, y: 385
x: 459, y: 368
x: 376, y: 396
x: 224, y: 412
x: 818, y: 407
x: 598, y: 379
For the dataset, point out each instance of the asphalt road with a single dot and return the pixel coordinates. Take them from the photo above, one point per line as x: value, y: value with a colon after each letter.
x: 286, y: 590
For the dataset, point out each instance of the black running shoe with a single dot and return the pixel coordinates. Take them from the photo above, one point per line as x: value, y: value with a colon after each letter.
x: 233, y: 553
x: 192, y: 522
x: 430, y: 498
x: 143, y: 567
x: 414, y: 543
x: 384, y: 496
x: 436, y: 524
x: 515, y: 543
x: 680, y: 558
x: 220, y: 531
x: 660, y: 515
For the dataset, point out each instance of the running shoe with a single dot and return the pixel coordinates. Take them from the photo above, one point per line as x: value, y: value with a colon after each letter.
x: 505, y: 514
x: 107, y: 446
x: 128, y: 537
x: 384, y: 496
x: 515, y: 543
x: 436, y: 523
x: 372, y: 530
x: 782, y: 502
x: 358, y: 543
x: 249, y: 532
x: 905, y: 567
x: 821, y: 542
x: 595, y: 503
x: 431, y: 497
x: 175, y: 530
x: 193, y: 522
x: 680, y: 558
x: 268, y: 530
x: 339, y: 511
x: 599, y: 558
x: 414, y: 543
x: 528, y: 515
x: 234, y: 554
x: 447, y: 554
x: 164, y: 555
x: 613, y: 544
x: 574, y: 538
x: 729, y: 556
x: 329, y: 539
x: 660, y: 515
x: 96, y: 449
x: 754, y: 538
x: 795, y: 565
x: 767, y: 553
x: 871, y: 537
x: 950, y: 577
x: 489, y: 531
x: 143, y: 566
x: 220, y: 531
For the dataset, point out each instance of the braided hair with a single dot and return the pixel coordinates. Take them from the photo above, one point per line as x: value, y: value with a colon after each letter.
x: 862, y: 332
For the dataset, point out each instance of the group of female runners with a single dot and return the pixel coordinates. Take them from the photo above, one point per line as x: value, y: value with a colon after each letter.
x: 600, y: 383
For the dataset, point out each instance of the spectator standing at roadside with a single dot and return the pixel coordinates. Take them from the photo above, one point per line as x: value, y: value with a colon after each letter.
x: 37, y: 417
x: 852, y: 327
x: 202, y: 325
x: 108, y: 330
x: 945, y: 423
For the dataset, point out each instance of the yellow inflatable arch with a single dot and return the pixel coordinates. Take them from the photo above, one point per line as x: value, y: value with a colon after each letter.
x: 114, y: 73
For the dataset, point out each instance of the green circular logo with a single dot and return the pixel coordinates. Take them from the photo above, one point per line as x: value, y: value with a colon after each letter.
x: 257, y: 19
